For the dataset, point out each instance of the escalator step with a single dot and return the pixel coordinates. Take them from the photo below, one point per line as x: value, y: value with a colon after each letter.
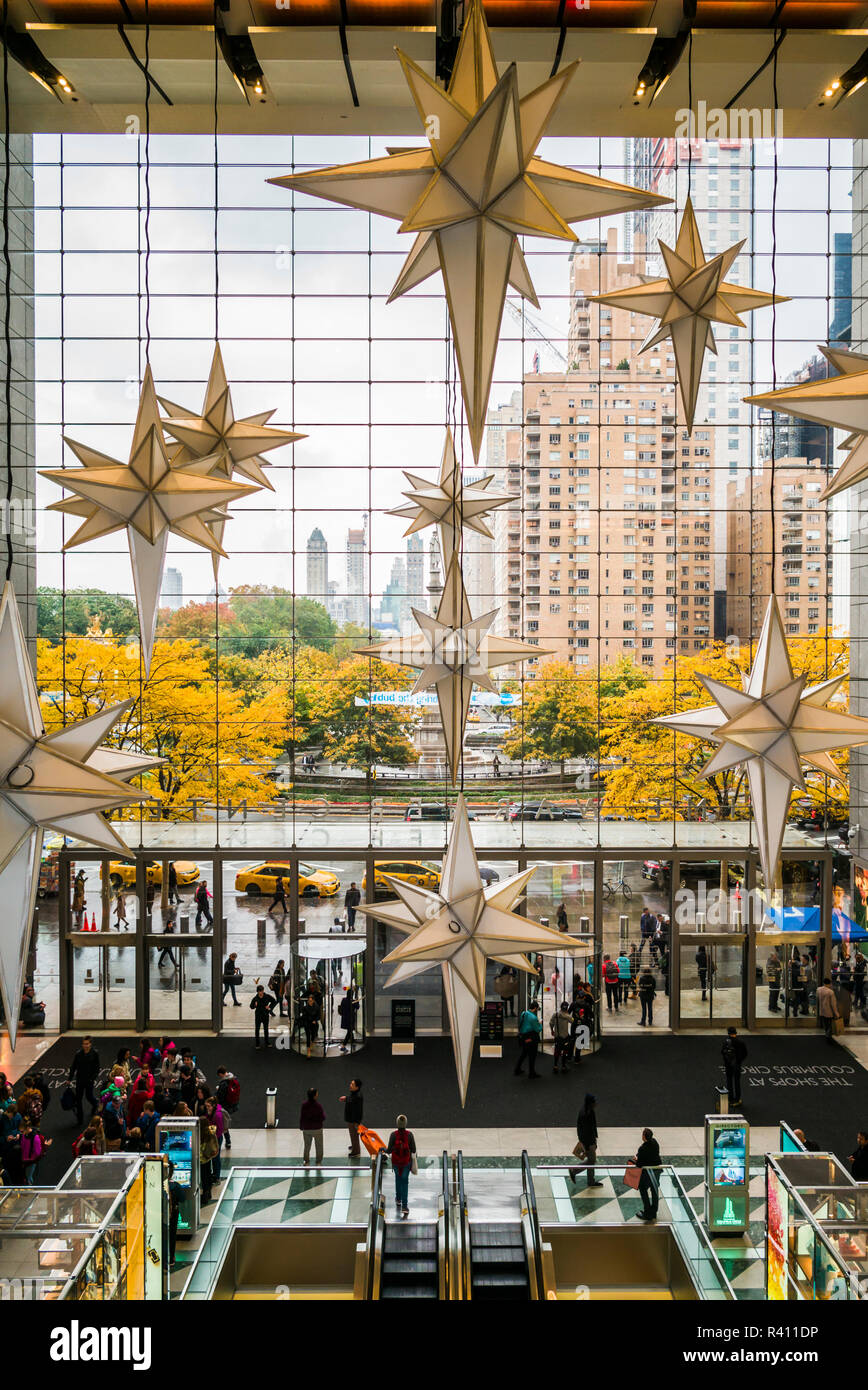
x: 419, y: 1229
x: 404, y: 1267
x: 410, y: 1245
x: 419, y: 1290
x: 499, y: 1255
x: 511, y: 1281
x: 496, y: 1234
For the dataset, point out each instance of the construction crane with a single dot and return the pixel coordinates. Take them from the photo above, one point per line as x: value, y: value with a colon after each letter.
x: 532, y: 329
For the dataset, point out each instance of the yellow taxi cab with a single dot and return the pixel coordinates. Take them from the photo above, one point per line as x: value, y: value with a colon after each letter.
x: 413, y: 871
x: 123, y: 874
x: 262, y: 878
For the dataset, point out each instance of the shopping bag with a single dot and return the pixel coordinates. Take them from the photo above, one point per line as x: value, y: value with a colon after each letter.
x: 371, y: 1140
x: 632, y: 1174
x: 579, y: 1150
x: 838, y: 1026
x: 67, y: 1100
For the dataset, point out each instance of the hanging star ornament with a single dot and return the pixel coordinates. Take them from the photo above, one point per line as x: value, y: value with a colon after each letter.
x: 453, y: 651
x: 449, y: 504
x: 461, y: 927
x: 155, y: 493
x: 692, y: 295
x: 236, y: 445
x: 771, y: 726
x: 61, y: 781
x: 839, y: 402
x: 471, y: 192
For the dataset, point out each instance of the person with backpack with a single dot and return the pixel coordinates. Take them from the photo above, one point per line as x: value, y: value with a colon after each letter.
x: 228, y: 1093
x: 529, y: 1035
x: 561, y: 1027
x: 347, y: 1010
x: 33, y: 1146
x: 279, y: 895
x: 402, y: 1149
x: 625, y: 975
x: 354, y: 1107
x: 611, y: 979
x: 733, y: 1053
x: 647, y: 992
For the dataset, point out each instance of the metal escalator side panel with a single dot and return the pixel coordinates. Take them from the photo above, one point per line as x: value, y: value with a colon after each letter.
x: 533, y: 1272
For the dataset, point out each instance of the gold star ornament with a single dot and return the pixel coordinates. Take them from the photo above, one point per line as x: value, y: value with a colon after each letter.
x: 692, y: 295
x: 449, y: 504
x: 461, y: 927
x: 155, y: 493
x: 471, y: 192
x: 839, y: 402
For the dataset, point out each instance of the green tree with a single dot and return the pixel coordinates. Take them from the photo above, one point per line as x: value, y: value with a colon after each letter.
x: 557, y: 718
x: 265, y: 616
x: 56, y: 618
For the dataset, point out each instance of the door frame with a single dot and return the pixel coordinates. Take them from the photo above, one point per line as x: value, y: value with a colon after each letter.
x: 693, y: 939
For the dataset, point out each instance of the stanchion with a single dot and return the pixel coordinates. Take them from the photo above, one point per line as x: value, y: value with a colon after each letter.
x: 260, y: 931
x: 271, y: 1107
x: 184, y: 923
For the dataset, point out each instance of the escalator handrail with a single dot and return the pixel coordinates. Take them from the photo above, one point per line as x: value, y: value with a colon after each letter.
x: 373, y: 1220
x: 464, y: 1253
x: 529, y: 1193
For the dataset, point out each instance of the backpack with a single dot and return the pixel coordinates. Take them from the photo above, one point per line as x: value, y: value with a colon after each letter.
x: 612, y: 973
x: 401, y: 1155
x: 233, y: 1094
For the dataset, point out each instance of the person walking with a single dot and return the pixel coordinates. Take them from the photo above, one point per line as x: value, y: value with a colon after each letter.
x: 860, y: 964
x: 231, y: 977
x: 310, y: 1122
x: 611, y: 979
x: 647, y: 927
x: 586, y: 1147
x: 82, y: 1074
x: 347, y: 1010
x: 702, y: 970
x: 279, y: 896
x: 647, y: 992
x: 774, y: 971
x: 352, y: 898
x: 496, y: 766
x: 121, y: 908
x: 827, y: 1008
x: 529, y: 1034
x: 33, y: 1145
x: 859, y: 1159
x: 648, y: 1159
x: 561, y: 1027
x: 174, y: 895
x: 168, y: 930
x: 402, y: 1150
x: 734, y: 1054
x: 562, y: 923
x: 310, y: 1020
x: 203, y: 908
x: 354, y: 1107
x: 263, y: 1006
x: 277, y: 985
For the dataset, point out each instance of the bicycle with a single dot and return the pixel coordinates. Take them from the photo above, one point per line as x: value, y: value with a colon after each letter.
x: 621, y: 885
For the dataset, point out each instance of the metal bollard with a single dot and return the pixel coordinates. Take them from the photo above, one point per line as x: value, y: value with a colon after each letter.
x: 584, y: 926
x: 260, y: 931
x: 623, y: 928
x: 700, y: 921
x: 184, y: 924
x: 271, y: 1107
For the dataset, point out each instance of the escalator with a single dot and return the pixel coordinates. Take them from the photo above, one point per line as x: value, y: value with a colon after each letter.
x: 410, y: 1259
x: 502, y: 1248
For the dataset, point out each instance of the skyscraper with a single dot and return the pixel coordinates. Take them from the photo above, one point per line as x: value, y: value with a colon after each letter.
x: 172, y: 592
x: 842, y: 285
x: 358, y: 571
x: 415, y: 571
x: 317, y: 567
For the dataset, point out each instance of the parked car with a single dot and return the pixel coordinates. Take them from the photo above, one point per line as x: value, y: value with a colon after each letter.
x: 820, y: 824
x: 262, y: 878
x: 434, y: 810
x: 659, y: 871
x: 122, y: 873
x: 534, y: 810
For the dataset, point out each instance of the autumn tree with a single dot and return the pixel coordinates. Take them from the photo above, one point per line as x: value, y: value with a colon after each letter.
x: 557, y: 718
x: 218, y: 743
x: 59, y: 614
x: 354, y: 734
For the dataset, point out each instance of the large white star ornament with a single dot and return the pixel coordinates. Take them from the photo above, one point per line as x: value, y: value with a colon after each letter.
x: 61, y: 781
x: 236, y: 445
x: 692, y: 295
x: 771, y: 726
x: 839, y: 402
x: 471, y: 192
x: 449, y: 504
x: 453, y: 652
x: 151, y: 495
x: 461, y: 927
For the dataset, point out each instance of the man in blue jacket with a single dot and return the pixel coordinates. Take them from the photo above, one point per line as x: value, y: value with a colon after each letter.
x: 529, y: 1034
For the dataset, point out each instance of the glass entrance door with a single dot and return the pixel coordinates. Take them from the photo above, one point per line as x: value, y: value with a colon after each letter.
x: 789, y: 967
x: 179, y: 982
x: 104, y: 986
x: 712, y: 988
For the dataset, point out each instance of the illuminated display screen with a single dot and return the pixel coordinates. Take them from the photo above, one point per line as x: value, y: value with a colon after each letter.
x: 729, y: 1157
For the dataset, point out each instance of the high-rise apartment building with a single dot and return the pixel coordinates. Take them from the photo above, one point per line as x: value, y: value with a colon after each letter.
x: 318, y: 567
x: 590, y: 562
x: 358, y: 606
x: 802, y: 559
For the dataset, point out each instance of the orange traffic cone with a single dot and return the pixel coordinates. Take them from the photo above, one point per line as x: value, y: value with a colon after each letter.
x: 93, y: 925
